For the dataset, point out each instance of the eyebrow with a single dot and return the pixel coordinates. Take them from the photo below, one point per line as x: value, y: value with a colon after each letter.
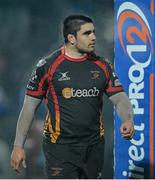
x: 89, y: 31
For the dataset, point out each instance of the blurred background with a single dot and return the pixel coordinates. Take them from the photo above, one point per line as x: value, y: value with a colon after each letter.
x: 29, y: 30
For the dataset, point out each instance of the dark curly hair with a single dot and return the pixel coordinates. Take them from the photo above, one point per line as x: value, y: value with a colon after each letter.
x: 73, y: 23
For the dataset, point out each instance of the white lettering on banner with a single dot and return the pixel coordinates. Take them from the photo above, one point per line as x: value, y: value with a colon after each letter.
x: 136, y: 92
x: 136, y: 153
x: 141, y: 141
x: 133, y: 149
x: 134, y: 168
x: 134, y: 68
x: 133, y: 175
x: 137, y: 83
x: 138, y: 48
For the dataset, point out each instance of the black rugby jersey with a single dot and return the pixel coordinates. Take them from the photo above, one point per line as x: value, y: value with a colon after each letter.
x: 73, y: 90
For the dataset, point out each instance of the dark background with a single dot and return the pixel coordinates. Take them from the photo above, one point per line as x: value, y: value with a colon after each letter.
x: 30, y: 29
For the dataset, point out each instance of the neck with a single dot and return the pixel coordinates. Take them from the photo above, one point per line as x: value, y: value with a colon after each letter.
x: 73, y: 52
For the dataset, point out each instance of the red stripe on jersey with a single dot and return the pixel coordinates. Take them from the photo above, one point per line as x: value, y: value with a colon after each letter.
x: 34, y: 93
x: 103, y: 67
x: 42, y: 82
x: 62, y: 50
x: 76, y: 59
x: 54, y: 66
x: 114, y: 89
x: 71, y: 58
x: 51, y: 72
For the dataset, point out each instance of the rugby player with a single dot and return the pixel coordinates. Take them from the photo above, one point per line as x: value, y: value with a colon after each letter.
x: 72, y: 81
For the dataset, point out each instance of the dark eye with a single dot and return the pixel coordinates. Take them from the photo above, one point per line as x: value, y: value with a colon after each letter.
x: 87, y: 32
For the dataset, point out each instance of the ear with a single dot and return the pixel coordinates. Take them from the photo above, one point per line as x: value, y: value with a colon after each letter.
x: 71, y: 38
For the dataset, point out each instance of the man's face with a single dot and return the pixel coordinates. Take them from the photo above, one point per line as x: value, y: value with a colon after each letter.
x: 85, y: 38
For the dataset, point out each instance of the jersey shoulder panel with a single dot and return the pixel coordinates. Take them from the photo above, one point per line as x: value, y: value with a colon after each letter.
x: 102, y: 59
x: 38, y: 81
x: 113, y: 84
x: 51, y: 58
x: 102, y: 62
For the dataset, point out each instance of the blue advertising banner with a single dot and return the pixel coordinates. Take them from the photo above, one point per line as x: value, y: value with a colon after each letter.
x: 135, y: 67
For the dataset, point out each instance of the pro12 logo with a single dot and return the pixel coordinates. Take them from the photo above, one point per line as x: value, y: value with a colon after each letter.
x: 138, y: 33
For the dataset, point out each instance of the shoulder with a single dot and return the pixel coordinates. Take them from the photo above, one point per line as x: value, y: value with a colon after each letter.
x: 47, y: 61
x: 52, y: 57
x: 100, y: 59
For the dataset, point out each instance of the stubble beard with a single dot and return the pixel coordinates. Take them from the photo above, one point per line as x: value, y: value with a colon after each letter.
x: 82, y: 51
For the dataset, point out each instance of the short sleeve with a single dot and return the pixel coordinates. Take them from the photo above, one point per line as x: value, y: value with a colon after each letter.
x: 113, y: 85
x: 37, y: 84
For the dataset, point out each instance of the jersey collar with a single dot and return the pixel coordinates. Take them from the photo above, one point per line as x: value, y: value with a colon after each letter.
x: 71, y: 58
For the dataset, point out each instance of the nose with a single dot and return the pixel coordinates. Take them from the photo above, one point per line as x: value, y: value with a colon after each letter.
x: 93, y: 37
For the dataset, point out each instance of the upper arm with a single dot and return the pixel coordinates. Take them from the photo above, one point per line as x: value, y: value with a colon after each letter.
x: 115, y: 99
x: 31, y: 103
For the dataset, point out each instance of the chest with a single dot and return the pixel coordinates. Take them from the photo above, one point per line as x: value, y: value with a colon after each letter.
x: 79, y: 75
